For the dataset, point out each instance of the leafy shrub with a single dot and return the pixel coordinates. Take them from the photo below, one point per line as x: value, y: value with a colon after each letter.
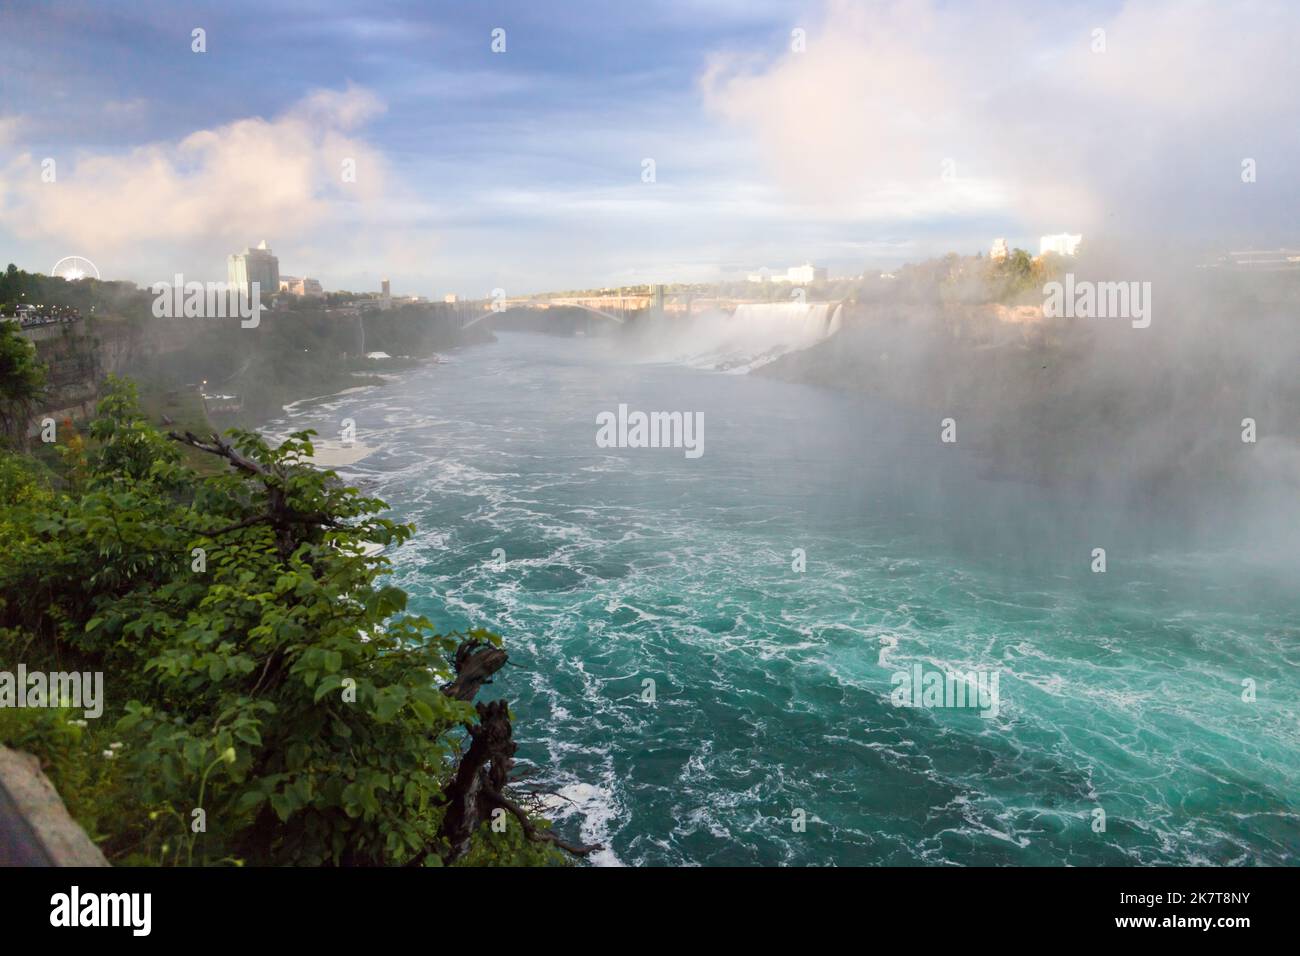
x: 271, y: 700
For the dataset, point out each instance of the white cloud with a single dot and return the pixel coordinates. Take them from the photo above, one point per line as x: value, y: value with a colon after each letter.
x: 210, y: 193
x: 1020, y: 103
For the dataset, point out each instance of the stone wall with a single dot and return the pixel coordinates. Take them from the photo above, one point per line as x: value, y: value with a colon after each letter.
x: 35, y: 828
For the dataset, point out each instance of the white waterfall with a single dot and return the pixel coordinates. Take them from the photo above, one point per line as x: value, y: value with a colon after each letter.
x: 754, y: 335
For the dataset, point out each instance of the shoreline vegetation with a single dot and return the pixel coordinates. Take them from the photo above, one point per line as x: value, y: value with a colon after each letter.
x: 269, y: 700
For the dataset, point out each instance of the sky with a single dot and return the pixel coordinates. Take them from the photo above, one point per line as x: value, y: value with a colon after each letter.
x: 856, y: 135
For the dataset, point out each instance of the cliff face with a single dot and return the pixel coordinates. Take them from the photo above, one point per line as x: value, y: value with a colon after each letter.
x: 73, y: 371
x: 291, y: 354
x: 921, y: 353
x: 79, y: 355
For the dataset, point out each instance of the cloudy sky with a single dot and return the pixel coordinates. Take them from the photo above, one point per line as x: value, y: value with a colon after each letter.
x: 852, y: 134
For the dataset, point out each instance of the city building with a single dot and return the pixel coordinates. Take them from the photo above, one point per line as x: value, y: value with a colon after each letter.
x: 802, y: 275
x: 797, y: 275
x: 999, y: 250
x: 254, y: 265
x: 310, y: 288
x: 1063, y: 244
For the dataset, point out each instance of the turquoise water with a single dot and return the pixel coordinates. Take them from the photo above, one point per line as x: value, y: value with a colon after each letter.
x: 1120, y: 691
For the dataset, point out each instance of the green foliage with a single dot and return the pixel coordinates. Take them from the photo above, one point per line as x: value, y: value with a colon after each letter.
x: 25, y: 493
x: 21, y: 380
x: 22, y: 483
x: 1020, y: 275
x: 261, y: 672
x: 87, y: 296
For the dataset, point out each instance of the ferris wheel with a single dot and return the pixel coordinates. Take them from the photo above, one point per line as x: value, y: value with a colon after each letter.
x: 73, y: 268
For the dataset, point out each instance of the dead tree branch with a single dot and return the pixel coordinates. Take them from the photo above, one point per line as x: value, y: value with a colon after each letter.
x: 475, y: 663
x: 287, y: 522
x: 484, y: 771
x: 222, y: 448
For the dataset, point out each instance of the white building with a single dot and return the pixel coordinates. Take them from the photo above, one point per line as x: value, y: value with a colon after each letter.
x: 1063, y: 244
x: 797, y: 275
x: 999, y: 250
x: 802, y: 275
x: 310, y: 288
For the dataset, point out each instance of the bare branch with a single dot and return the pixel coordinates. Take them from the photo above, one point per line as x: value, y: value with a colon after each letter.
x: 542, y: 836
x: 484, y: 770
x: 223, y: 449
x: 475, y: 662
x: 246, y: 523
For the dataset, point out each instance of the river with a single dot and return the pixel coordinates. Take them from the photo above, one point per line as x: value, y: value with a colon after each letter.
x: 1124, y: 731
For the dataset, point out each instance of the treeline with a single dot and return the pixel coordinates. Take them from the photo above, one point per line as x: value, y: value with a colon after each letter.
x: 953, y: 277
x: 87, y: 296
x: 22, y: 385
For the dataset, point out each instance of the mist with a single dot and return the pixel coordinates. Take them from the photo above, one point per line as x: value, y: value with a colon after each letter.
x: 1180, y: 412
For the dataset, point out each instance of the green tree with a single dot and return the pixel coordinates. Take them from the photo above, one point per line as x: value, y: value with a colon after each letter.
x: 22, y: 379
x: 260, y: 674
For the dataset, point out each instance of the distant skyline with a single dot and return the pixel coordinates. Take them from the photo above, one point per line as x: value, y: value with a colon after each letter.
x: 881, y: 133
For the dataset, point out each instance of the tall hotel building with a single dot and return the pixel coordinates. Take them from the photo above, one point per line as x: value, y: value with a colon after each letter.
x: 254, y: 265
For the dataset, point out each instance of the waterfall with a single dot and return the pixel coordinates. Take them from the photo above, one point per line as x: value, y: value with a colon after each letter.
x: 755, y: 334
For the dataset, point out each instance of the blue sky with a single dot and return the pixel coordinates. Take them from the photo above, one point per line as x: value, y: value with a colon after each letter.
x: 523, y: 170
